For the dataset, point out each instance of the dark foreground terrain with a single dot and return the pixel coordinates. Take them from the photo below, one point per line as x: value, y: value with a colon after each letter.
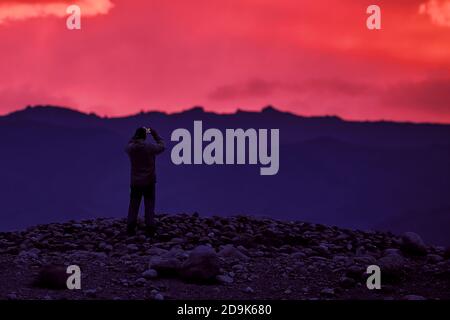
x: 239, y: 257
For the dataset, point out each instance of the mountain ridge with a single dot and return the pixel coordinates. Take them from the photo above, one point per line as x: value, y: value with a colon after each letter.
x: 200, y: 109
x: 351, y: 174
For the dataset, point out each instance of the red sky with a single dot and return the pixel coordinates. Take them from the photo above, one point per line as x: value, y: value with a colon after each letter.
x: 312, y: 57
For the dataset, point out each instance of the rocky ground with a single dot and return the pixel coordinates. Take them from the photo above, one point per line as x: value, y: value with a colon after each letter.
x: 241, y: 257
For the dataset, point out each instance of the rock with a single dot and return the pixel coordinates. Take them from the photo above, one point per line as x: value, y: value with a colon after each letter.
x: 30, y: 256
x: 238, y: 268
x: 150, y: 274
x: 11, y: 296
x: 91, y: 293
x: 440, y: 250
x: 392, y: 267
x: 124, y: 282
x: 140, y: 282
x: 105, y: 247
x: 154, y: 292
x: 347, y: 282
x: 248, y: 290
x: 202, y: 265
x: 327, y: 292
x: 322, y: 250
x: 298, y: 255
x: 230, y: 252
x: 177, y: 240
x: 355, y: 272
x: 224, y: 279
x: 243, y: 249
x: 176, y: 253
x: 434, y: 258
x: 52, y: 277
x: 413, y: 244
x: 166, y: 267
x: 159, y: 297
x: 361, y: 251
x: 413, y: 297
x: 258, y: 253
x: 132, y: 248
x: 391, y: 251
x: 98, y: 255
x: 155, y: 251
x: 365, y: 260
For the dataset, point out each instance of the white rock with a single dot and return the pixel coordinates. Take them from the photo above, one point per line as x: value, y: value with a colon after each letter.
x: 224, y: 279
x: 248, y: 290
x: 150, y: 274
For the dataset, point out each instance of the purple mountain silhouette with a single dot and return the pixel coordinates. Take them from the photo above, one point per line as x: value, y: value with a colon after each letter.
x: 58, y: 164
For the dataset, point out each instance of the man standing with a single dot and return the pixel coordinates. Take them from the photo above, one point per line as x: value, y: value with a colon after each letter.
x: 143, y: 177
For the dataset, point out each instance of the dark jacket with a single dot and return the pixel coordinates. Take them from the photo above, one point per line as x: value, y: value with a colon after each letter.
x: 142, y: 157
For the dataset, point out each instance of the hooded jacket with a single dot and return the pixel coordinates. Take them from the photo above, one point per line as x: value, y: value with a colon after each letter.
x: 142, y: 157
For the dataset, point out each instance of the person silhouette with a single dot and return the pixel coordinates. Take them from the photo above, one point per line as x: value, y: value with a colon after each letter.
x: 142, y: 156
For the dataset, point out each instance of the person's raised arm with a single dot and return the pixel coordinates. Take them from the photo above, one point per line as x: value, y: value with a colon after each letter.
x: 159, y: 146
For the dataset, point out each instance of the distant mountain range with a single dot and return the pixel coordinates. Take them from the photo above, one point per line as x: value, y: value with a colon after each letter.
x: 58, y: 164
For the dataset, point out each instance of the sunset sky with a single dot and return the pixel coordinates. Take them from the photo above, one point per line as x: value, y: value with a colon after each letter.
x: 310, y: 57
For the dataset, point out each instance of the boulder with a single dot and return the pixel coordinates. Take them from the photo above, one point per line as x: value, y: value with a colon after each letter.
x: 230, y: 252
x: 52, y: 277
x: 355, y: 272
x: 224, y: 279
x: 413, y: 244
x: 392, y: 267
x: 150, y: 274
x: 165, y: 266
x: 434, y: 258
x: 347, y: 282
x: 202, y: 265
x: 328, y: 292
x: 91, y: 293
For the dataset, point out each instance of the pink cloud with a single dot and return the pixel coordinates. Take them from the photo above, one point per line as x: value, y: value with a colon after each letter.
x: 171, y: 55
x: 438, y: 10
x: 22, y: 10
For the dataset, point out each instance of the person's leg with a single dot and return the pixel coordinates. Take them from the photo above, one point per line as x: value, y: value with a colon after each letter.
x: 149, y: 201
x: 133, y: 209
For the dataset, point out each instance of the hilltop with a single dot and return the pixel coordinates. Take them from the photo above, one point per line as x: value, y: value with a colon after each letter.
x: 240, y: 257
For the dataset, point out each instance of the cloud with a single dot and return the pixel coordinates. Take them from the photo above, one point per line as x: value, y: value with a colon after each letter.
x: 253, y: 88
x: 258, y: 88
x: 430, y: 94
x: 438, y: 11
x: 25, y: 9
x: 19, y: 97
